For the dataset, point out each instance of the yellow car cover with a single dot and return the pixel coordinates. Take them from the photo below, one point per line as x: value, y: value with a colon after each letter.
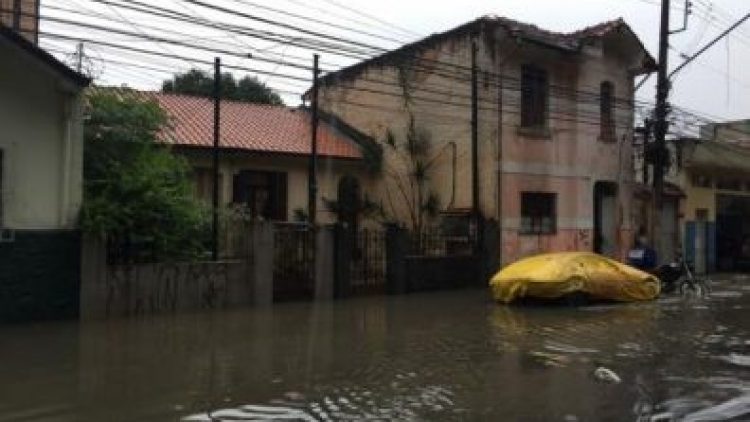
x: 552, y: 276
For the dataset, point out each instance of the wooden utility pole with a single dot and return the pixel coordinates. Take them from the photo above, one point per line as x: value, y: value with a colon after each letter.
x: 217, y: 133
x: 79, y: 57
x: 660, y: 120
x: 313, y: 165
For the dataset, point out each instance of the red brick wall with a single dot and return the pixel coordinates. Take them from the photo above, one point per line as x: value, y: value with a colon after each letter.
x: 28, y: 24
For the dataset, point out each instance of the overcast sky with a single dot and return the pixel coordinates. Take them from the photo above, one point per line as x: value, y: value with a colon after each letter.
x: 716, y: 85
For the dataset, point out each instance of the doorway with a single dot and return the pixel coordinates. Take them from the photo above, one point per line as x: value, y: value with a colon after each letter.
x: 605, y: 218
x: 733, y: 232
x: 701, y: 241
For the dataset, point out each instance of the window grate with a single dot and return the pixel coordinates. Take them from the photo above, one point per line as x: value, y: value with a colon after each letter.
x: 538, y: 213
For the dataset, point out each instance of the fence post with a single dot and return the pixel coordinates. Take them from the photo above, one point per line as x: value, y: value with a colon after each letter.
x: 490, y: 261
x: 396, y: 249
x: 324, y: 263
x: 343, y: 248
x: 263, y: 254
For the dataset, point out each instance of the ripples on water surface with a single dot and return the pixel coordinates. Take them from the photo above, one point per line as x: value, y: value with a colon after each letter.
x: 443, y: 356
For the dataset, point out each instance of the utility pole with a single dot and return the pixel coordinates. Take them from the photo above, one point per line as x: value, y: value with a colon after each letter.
x: 79, y: 57
x: 660, y: 123
x: 217, y: 132
x: 312, y: 182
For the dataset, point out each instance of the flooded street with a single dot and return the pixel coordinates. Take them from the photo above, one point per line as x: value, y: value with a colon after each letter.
x: 442, y: 356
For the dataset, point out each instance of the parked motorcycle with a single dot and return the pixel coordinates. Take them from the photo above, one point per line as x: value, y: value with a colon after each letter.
x: 675, y: 277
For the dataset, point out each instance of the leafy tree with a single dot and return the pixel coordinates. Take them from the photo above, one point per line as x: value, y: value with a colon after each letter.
x: 248, y: 89
x: 410, y: 174
x: 135, y: 190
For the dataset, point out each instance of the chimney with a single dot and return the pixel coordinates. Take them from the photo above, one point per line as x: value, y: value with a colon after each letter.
x: 22, y: 16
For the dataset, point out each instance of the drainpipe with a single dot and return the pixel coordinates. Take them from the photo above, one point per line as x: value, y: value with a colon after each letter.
x: 454, y: 152
x: 499, y: 164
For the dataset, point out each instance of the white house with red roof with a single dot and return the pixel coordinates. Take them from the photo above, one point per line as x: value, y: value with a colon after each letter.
x: 264, y: 154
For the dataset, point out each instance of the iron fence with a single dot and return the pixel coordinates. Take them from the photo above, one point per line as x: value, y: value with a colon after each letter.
x: 434, y: 242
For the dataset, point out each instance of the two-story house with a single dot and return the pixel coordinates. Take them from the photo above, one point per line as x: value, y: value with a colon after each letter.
x: 554, y: 127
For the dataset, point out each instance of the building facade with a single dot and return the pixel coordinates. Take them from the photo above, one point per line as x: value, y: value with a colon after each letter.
x: 554, y: 119
x: 41, y: 172
x: 715, y: 223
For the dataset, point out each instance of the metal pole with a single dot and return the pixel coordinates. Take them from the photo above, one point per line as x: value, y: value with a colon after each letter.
x: 79, y: 54
x: 313, y: 166
x: 660, y: 125
x: 710, y: 44
x: 217, y: 125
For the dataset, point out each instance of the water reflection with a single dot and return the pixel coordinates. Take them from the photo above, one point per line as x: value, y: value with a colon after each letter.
x: 445, y: 356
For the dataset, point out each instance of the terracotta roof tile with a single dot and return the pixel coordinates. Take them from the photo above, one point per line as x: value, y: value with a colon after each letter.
x: 251, y: 127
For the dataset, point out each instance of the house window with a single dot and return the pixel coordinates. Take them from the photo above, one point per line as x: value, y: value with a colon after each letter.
x: 606, y: 111
x: 203, y: 185
x: 538, y: 213
x: 264, y: 193
x: 701, y: 181
x: 534, y: 97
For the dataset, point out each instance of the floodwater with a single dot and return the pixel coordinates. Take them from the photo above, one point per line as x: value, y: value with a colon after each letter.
x: 438, y: 356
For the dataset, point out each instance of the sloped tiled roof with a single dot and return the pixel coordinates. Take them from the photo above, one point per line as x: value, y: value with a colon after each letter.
x: 250, y: 127
x: 570, y: 42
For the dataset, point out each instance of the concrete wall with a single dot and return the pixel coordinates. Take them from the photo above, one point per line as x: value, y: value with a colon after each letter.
x: 330, y: 173
x: 167, y: 287
x: 569, y: 161
x: 42, y: 143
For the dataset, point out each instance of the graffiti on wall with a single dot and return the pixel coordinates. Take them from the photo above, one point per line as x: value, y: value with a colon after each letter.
x: 165, y: 287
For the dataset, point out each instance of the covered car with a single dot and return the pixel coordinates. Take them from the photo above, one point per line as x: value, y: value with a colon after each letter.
x: 560, y: 275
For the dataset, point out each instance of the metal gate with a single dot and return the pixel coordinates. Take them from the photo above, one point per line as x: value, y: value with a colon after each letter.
x: 367, y: 267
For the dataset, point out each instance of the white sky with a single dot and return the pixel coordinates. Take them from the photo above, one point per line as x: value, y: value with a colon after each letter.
x: 716, y: 85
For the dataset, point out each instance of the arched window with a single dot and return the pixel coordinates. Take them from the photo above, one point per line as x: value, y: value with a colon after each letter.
x: 606, y: 111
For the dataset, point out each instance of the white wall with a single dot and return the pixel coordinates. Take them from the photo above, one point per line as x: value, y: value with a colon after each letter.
x: 41, y: 139
x: 330, y: 172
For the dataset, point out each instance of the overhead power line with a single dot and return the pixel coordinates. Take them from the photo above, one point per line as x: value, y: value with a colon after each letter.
x: 508, y: 83
x: 709, y: 45
x: 419, y: 62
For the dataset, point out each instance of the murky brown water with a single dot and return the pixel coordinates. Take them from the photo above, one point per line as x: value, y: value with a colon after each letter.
x: 443, y: 356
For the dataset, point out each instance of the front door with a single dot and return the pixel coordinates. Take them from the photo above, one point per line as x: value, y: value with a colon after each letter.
x: 605, y: 218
